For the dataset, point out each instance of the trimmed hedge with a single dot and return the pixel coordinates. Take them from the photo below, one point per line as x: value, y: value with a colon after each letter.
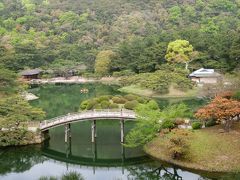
x: 91, y: 104
x: 113, y: 106
x: 130, y: 97
x: 113, y: 102
x: 119, y: 100
x: 84, y: 105
x: 131, y: 105
x: 105, y: 104
x: 196, y: 125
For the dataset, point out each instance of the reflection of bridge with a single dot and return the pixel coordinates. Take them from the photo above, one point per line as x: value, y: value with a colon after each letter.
x: 94, y: 160
x: 119, y: 114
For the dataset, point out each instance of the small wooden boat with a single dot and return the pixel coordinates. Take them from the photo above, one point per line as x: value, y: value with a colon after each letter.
x: 84, y: 90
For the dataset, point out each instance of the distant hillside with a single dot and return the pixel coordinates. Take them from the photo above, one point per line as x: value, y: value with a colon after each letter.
x: 55, y: 33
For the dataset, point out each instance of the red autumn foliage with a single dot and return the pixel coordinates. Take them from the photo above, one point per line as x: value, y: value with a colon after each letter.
x: 226, y: 94
x: 220, y: 109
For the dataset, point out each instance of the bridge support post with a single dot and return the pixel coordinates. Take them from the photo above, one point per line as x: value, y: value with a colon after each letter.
x: 68, y: 147
x: 123, y: 158
x: 45, y: 135
x: 67, y: 132
x: 122, y: 130
x: 94, y: 133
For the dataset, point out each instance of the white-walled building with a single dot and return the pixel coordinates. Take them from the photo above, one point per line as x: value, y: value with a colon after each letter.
x: 207, y: 76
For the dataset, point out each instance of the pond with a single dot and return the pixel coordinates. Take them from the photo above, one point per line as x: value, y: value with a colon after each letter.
x: 105, y: 159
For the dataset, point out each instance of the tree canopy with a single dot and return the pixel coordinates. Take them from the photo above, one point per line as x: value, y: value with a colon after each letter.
x: 103, y: 61
x: 221, y: 109
x: 35, y: 33
x: 150, y: 120
x: 180, y: 51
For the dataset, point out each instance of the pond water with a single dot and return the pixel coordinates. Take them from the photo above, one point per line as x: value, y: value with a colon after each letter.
x: 103, y: 160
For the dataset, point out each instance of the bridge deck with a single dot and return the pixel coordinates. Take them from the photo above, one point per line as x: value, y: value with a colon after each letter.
x: 88, y: 115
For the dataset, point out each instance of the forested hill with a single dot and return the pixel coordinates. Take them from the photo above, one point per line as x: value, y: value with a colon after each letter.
x: 55, y: 33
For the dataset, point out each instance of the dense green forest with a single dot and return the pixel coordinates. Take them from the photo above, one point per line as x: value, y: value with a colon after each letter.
x: 59, y: 33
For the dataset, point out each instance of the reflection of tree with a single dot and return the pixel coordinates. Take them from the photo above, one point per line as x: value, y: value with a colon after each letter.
x: 19, y: 159
x: 61, y: 99
x: 72, y: 175
x: 144, y: 172
x: 230, y: 176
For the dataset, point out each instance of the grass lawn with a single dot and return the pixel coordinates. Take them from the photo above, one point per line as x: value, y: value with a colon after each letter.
x: 173, y: 93
x: 134, y: 89
x: 209, y: 150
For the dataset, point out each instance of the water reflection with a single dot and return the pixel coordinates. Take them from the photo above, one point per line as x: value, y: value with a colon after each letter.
x: 133, y: 167
x: 124, y: 157
x: 33, y: 162
x: 18, y: 160
x: 106, y: 159
x: 160, y: 172
x: 61, y: 99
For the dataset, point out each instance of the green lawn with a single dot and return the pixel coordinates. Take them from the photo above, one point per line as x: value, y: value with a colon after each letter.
x: 134, y: 89
x: 208, y: 150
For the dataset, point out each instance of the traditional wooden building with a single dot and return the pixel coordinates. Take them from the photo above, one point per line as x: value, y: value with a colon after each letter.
x: 205, y: 76
x: 31, y: 74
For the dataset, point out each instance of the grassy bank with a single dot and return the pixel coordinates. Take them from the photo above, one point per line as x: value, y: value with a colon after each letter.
x: 173, y: 93
x: 208, y: 150
x: 134, y: 89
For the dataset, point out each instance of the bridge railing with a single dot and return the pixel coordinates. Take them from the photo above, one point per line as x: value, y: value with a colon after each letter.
x: 87, y: 114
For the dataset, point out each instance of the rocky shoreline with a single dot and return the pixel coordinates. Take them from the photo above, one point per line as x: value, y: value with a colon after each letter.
x: 72, y: 80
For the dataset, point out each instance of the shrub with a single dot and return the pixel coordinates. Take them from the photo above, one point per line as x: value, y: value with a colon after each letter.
x: 130, y: 97
x: 179, y: 121
x: 182, y: 83
x: 168, y: 124
x: 105, y: 104
x: 84, y: 105
x: 48, y: 178
x: 177, y: 144
x: 119, y: 100
x: 113, y: 106
x: 97, y: 106
x: 72, y: 176
x: 177, y: 147
x: 236, y: 95
x: 104, y: 98
x: 196, y: 125
x: 210, y: 123
x: 116, y: 74
x: 123, y: 73
x: 131, y: 105
x: 46, y: 76
x: 91, y: 104
x: 128, y: 73
x: 142, y: 100
x: 15, y: 137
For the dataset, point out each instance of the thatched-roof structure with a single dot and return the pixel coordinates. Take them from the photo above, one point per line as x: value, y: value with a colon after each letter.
x: 31, y: 73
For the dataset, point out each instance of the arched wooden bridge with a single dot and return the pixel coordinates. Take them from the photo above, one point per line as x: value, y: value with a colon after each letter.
x: 111, y: 114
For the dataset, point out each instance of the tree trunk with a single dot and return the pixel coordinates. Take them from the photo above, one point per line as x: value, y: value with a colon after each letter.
x: 228, y: 124
x: 186, y: 65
